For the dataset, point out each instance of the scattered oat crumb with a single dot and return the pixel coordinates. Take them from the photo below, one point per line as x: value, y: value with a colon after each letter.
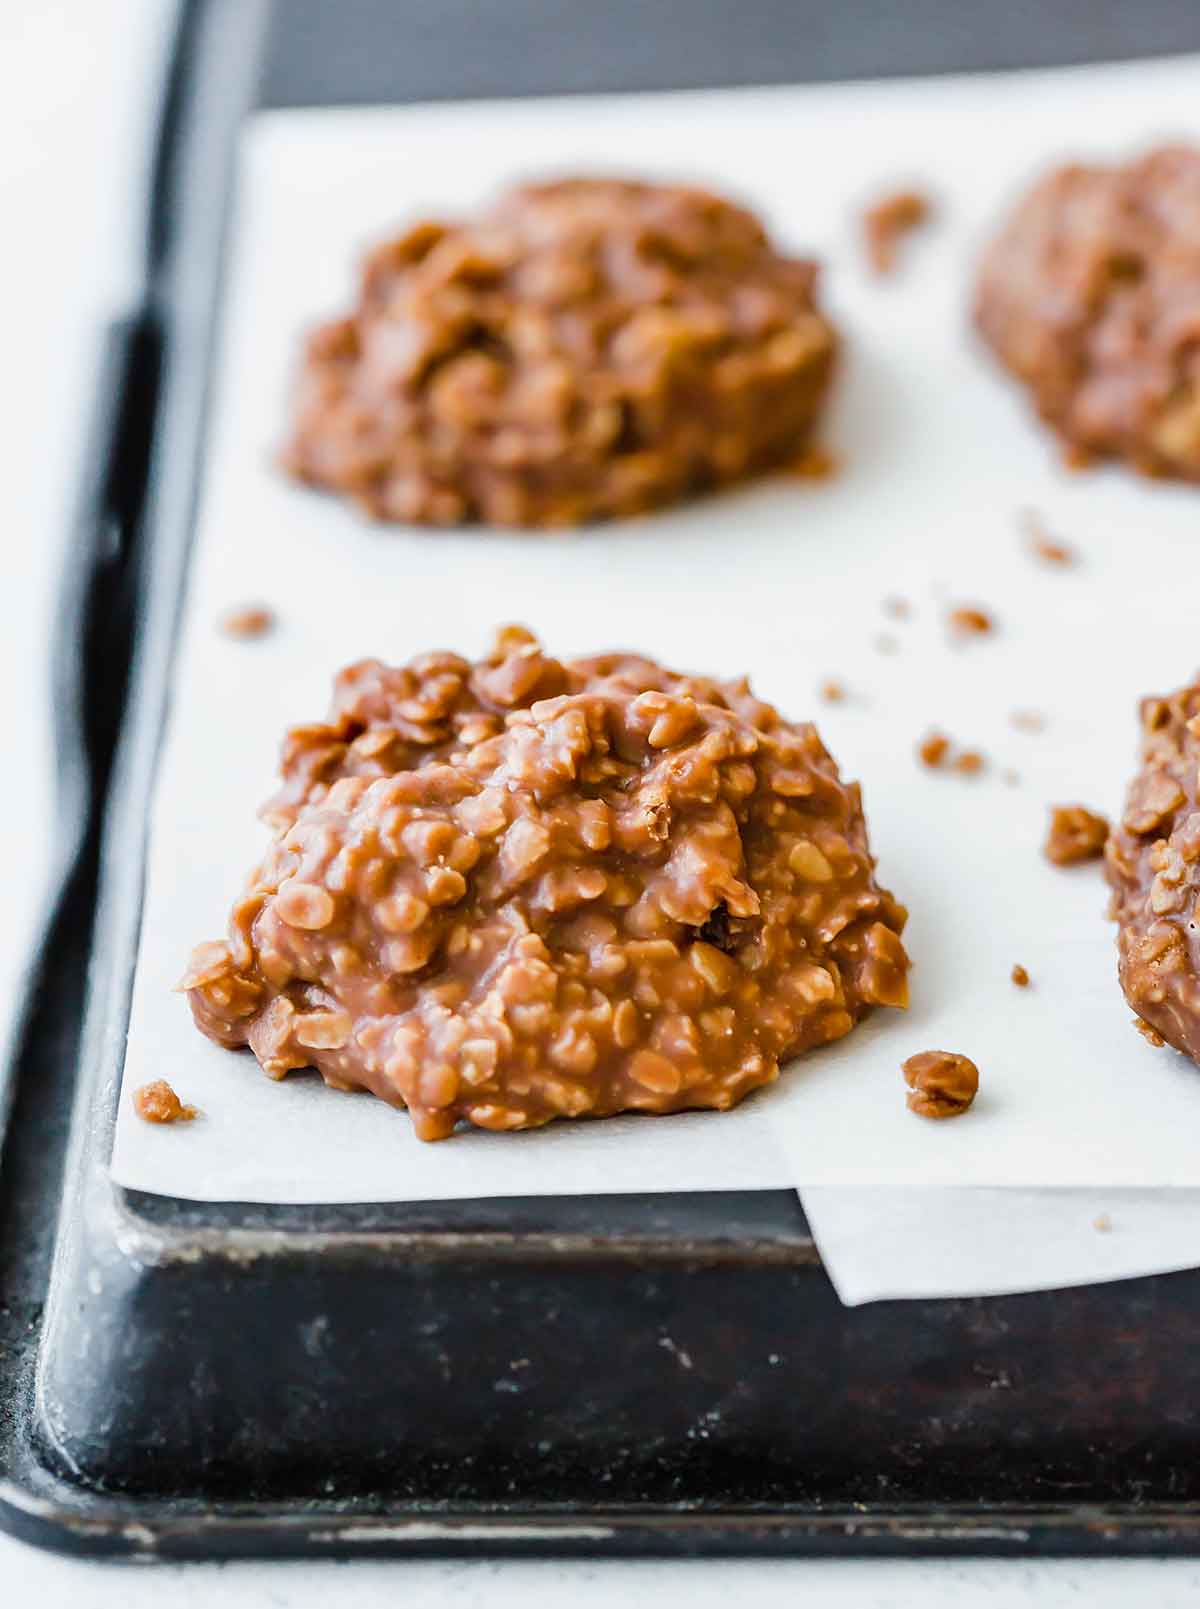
x: 1010, y: 777
x: 933, y: 749
x: 886, y: 222
x: 1075, y: 834
x: 158, y: 1103
x: 1044, y: 546
x: 833, y: 692
x: 1102, y: 1223
x: 937, y: 752
x: 941, y: 1083
x: 1150, y: 1035
x: 248, y: 622
x: 1028, y: 721
x: 898, y: 608
x: 814, y: 463
x: 1020, y: 977
x: 885, y: 643
x: 970, y: 621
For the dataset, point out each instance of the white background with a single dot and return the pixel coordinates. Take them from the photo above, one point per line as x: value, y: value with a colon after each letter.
x: 71, y: 80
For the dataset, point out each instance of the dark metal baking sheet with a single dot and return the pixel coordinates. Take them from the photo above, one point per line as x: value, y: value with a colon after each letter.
x: 666, y: 1374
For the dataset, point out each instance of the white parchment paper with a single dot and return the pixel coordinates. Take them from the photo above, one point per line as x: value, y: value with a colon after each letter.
x: 877, y: 1244
x: 786, y: 580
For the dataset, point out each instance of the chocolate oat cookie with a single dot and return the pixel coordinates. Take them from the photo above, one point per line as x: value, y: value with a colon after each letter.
x: 1091, y: 297
x: 524, y: 889
x: 586, y: 349
x: 1153, y: 864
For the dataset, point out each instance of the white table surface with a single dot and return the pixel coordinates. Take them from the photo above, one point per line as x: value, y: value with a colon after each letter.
x: 75, y: 84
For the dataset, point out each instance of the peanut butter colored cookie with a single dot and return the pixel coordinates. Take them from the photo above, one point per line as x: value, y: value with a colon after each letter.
x: 1153, y: 864
x: 1090, y: 296
x: 522, y: 889
x: 586, y: 349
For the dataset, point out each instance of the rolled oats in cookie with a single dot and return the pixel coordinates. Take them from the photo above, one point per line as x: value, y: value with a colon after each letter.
x: 1090, y: 296
x: 526, y: 888
x: 585, y: 349
x: 1153, y: 865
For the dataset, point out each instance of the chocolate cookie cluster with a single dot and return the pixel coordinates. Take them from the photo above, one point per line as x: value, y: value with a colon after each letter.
x: 524, y: 889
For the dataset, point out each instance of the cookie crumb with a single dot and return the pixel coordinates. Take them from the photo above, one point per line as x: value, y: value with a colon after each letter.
x: 158, y: 1103
x: 248, y: 622
x: 1010, y: 777
x: 898, y: 608
x: 885, y: 643
x: 1075, y: 834
x: 833, y: 692
x: 933, y: 749
x: 887, y: 221
x: 937, y: 752
x: 970, y: 621
x: 941, y: 1083
x: 1044, y: 546
x: 1102, y: 1223
x: 1028, y: 721
x: 814, y: 463
x: 1149, y: 1034
x: 1020, y: 977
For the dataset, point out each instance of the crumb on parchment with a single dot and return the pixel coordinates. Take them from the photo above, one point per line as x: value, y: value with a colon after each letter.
x: 941, y: 1083
x: 248, y: 622
x: 889, y: 221
x: 158, y: 1103
x: 1075, y: 834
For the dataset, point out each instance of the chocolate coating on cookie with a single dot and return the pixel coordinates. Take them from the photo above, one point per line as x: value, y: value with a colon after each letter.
x: 1091, y: 297
x: 1153, y: 864
x: 524, y: 889
x: 586, y: 349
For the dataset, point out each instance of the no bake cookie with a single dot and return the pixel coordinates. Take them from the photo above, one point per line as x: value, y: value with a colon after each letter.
x: 586, y: 349
x: 1153, y: 864
x: 1091, y: 297
x: 522, y: 889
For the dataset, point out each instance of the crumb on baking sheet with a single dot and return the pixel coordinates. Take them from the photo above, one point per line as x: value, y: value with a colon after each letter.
x: 158, y: 1103
x: 938, y: 753
x: 885, y: 643
x: 1010, y: 778
x: 1075, y: 834
x: 248, y: 621
x: 1102, y: 1223
x: 933, y: 749
x: 833, y: 692
x: 897, y: 608
x: 1044, y: 546
x: 1149, y: 1034
x: 1028, y: 720
x: 968, y: 620
x: 886, y: 223
x: 1019, y: 976
x: 941, y: 1083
